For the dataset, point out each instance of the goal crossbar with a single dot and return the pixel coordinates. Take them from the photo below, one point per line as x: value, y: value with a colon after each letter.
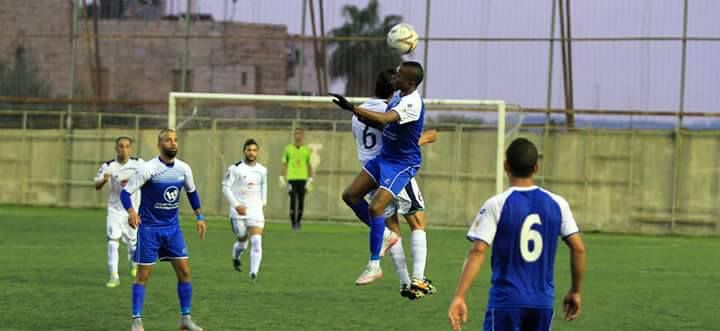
x: 500, y: 104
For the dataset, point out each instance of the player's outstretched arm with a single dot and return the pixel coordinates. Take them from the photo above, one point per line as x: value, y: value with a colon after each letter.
x: 457, y: 313
x: 381, y: 118
x: 370, y: 123
x: 572, y: 301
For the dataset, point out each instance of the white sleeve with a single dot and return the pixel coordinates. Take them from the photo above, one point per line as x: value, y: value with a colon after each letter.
x: 101, y: 173
x: 138, y: 179
x: 227, y: 184
x: 568, y: 225
x: 408, y: 109
x: 189, y: 181
x: 264, y: 188
x: 485, y: 224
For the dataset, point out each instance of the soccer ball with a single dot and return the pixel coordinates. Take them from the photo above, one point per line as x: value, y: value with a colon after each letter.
x: 402, y: 38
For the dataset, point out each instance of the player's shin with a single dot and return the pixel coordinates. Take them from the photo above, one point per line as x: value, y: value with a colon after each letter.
x: 138, y: 299
x: 113, y: 258
x: 238, y: 249
x: 377, y: 227
x: 397, y: 254
x: 185, y: 296
x: 418, y: 249
x: 255, y: 253
x: 362, y: 210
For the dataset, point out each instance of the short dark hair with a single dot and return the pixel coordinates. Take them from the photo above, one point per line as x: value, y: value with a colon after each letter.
x: 383, y: 88
x: 117, y: 140
x: 299, y: 128
x: 250, y: 142
x: 522, y: 157
x: 416, y: 71
x: 164, y: 131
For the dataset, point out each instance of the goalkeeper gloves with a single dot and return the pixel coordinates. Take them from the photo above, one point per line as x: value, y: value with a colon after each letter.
x: 308, y: 184
x: 281, y: 182
x: 342, y: 102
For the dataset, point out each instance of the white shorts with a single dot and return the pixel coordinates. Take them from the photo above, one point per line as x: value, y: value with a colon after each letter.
x: 240, y: 224
x: 408, y: 202
x: 118, y: 228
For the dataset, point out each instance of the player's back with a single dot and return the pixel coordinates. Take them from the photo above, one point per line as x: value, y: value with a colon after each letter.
x: 529, y: 222
x: 368, y: 139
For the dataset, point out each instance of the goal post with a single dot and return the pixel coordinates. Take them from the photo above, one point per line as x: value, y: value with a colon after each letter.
x: 197, y: 98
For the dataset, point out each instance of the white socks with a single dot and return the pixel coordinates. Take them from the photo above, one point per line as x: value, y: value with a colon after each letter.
x: 397, y: 253
x: 238, y: 249
x: 418, y: 250
x: 387, y: 233
x: 255, y: 253
x: 113, y: 258
x: 131, y: 251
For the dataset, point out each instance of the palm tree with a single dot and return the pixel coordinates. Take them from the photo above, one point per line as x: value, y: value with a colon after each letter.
x: 360, y: 61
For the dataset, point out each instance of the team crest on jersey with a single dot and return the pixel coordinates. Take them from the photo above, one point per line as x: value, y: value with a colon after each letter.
x: 482, y: 211
x: 171, y: 194
x: 387, y: 181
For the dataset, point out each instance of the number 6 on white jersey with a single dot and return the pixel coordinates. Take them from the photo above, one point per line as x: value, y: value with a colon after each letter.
x: 527, y: 234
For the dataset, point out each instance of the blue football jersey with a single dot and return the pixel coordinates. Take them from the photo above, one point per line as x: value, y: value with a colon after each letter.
x: 523, y: 226
x: 400, y: 139
x: 160, y: 184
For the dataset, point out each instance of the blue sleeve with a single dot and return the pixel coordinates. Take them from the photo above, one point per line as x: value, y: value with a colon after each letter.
x: 125, y: 199
x: 194, y: 198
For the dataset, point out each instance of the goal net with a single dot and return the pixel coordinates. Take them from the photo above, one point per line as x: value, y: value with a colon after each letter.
x: 461, y: 169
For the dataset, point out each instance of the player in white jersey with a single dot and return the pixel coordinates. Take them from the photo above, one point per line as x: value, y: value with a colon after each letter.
x: 245, y: 188
x: 117, y: 172
x: 409, y: 202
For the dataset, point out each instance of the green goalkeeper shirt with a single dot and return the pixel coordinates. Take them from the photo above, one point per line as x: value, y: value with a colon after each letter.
x: 297, y: 160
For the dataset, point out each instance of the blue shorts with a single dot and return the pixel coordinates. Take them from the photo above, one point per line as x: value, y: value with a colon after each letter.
x: 517, y: 319
x: 159, y: 242
x: 389, y: 175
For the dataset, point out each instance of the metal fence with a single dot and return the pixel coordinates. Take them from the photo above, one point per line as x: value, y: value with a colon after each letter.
x: 645, y: 181
x: 125, y: 56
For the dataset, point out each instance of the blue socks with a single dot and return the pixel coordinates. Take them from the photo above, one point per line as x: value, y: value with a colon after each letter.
x: 362, y: 211
x: 185, y: 296
x: 138, y: 298
x: 377, y: 227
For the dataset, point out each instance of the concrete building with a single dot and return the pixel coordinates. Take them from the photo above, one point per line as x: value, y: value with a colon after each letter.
x: 141, y: 52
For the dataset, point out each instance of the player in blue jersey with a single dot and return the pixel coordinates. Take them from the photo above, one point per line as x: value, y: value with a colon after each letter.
x: 159, y: 236
x: 523, y: 225
x: 399, y: 158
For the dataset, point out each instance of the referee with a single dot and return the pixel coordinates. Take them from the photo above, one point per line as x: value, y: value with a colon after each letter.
x: 296, y: 168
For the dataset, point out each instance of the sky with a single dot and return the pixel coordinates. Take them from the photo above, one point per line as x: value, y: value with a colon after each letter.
x: 637, y: 75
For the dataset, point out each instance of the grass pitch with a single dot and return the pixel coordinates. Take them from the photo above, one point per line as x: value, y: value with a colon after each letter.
x: 53, y: 274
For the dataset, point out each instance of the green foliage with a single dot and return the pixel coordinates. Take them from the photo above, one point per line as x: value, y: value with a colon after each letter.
x: 359, y: 61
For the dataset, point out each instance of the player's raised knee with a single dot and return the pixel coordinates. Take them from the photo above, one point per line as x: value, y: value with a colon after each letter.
x: 349, y: 198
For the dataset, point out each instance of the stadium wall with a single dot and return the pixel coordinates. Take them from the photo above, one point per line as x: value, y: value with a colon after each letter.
x: 615, y: 181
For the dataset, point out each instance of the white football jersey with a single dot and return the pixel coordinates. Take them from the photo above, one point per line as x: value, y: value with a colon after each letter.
x: 368, y: 139
x: 119, y: 176
x: 247, y: 186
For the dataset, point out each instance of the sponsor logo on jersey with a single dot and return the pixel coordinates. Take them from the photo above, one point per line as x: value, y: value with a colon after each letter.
x: 171, y: 194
